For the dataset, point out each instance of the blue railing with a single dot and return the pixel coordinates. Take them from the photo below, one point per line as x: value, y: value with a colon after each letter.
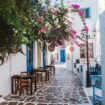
x: 96, y: 81
x: 97, y: 95
x: 95, y: 70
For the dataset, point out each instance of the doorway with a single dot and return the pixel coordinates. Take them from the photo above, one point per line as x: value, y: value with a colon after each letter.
x: 30, y: 57
x: 44, y: 54
x: 39, y: 54
x: 62, y: 56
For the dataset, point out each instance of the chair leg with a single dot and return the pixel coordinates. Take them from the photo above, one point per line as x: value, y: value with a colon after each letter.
x: 19, y: 91
x: 41, y: 78
x: 27, y: 90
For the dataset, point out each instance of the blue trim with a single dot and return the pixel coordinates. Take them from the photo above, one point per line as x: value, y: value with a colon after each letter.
x: 30, y: 58
x: 63, y: 55
x: 88, y: 10
x: 44, y: 54
x: 96, y: 97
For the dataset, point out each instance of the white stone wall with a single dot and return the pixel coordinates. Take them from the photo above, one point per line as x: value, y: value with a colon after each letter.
x: 5, y: 78
x: 91, y: 23
x: 48, y: 56
x: 15, y: 64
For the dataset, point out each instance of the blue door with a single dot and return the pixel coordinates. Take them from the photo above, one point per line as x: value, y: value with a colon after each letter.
x: 44, y: 54
x: 30, y: 58
x: 62, y: 56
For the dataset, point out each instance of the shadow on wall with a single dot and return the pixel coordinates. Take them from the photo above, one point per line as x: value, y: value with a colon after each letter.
x: 102, y: 33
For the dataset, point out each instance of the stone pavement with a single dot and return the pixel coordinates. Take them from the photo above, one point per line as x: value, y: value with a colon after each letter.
x: 63, y: 89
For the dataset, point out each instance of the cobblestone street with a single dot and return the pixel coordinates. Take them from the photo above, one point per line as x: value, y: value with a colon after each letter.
x: 63, y: 89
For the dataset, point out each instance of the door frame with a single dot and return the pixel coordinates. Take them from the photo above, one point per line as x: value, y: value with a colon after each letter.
x: 29, y: 59
x: 44, y: 54
x: 64, y: 56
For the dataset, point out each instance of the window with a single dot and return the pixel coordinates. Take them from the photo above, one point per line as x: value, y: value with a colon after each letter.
x: 86, y: 12
x: 83, y: 50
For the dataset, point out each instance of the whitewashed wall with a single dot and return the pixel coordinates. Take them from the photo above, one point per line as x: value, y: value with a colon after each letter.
x: 91, y: 23
x: 15, y: 64
x: 35, y: 55
x: 5, y: 78
x: 48, y: 56
x: 102, y: 32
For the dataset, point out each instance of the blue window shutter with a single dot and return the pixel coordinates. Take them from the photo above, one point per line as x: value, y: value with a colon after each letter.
x: 87, y: 12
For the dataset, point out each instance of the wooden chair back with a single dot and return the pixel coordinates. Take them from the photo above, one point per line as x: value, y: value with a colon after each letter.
x: 24, y: 74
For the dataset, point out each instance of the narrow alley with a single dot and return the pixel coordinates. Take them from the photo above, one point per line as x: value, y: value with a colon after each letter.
x: 63, y: 89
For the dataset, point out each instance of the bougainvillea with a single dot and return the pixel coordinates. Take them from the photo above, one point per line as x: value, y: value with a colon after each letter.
x: 53, y: 24
x: 24, y: 21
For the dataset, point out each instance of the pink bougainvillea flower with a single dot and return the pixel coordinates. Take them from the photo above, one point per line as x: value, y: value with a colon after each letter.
x: 81, y: 13
x: 64, y: 39
x: 40, y: 20
x: 42, y: 30
x: 86, y: 29
x: 54, y: 12
x: 76, y: 42
x: 76, y: 6
x: 72, y: 37
x: 74, y: 32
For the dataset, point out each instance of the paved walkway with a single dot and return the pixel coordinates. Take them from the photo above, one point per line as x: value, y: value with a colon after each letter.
x: 64, y: 89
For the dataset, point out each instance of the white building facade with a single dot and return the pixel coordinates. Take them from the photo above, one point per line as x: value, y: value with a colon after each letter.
x: 91, y: 10
x: 17, y: 63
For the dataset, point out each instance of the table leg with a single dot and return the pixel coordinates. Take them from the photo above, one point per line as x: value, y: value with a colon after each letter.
x: 31, y: 86
x: 11, y: 85
x: 15, y: 87
x: 46, y: 76
x: 35, y: 84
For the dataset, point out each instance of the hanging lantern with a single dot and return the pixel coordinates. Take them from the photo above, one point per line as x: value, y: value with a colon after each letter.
x: 72, y: 49
x: 51, y: 48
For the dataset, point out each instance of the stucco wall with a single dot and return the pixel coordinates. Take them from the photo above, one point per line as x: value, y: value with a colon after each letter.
x: 15, y: 64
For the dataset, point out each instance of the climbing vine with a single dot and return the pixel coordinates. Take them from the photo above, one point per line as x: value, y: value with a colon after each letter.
x: 24, y: 21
